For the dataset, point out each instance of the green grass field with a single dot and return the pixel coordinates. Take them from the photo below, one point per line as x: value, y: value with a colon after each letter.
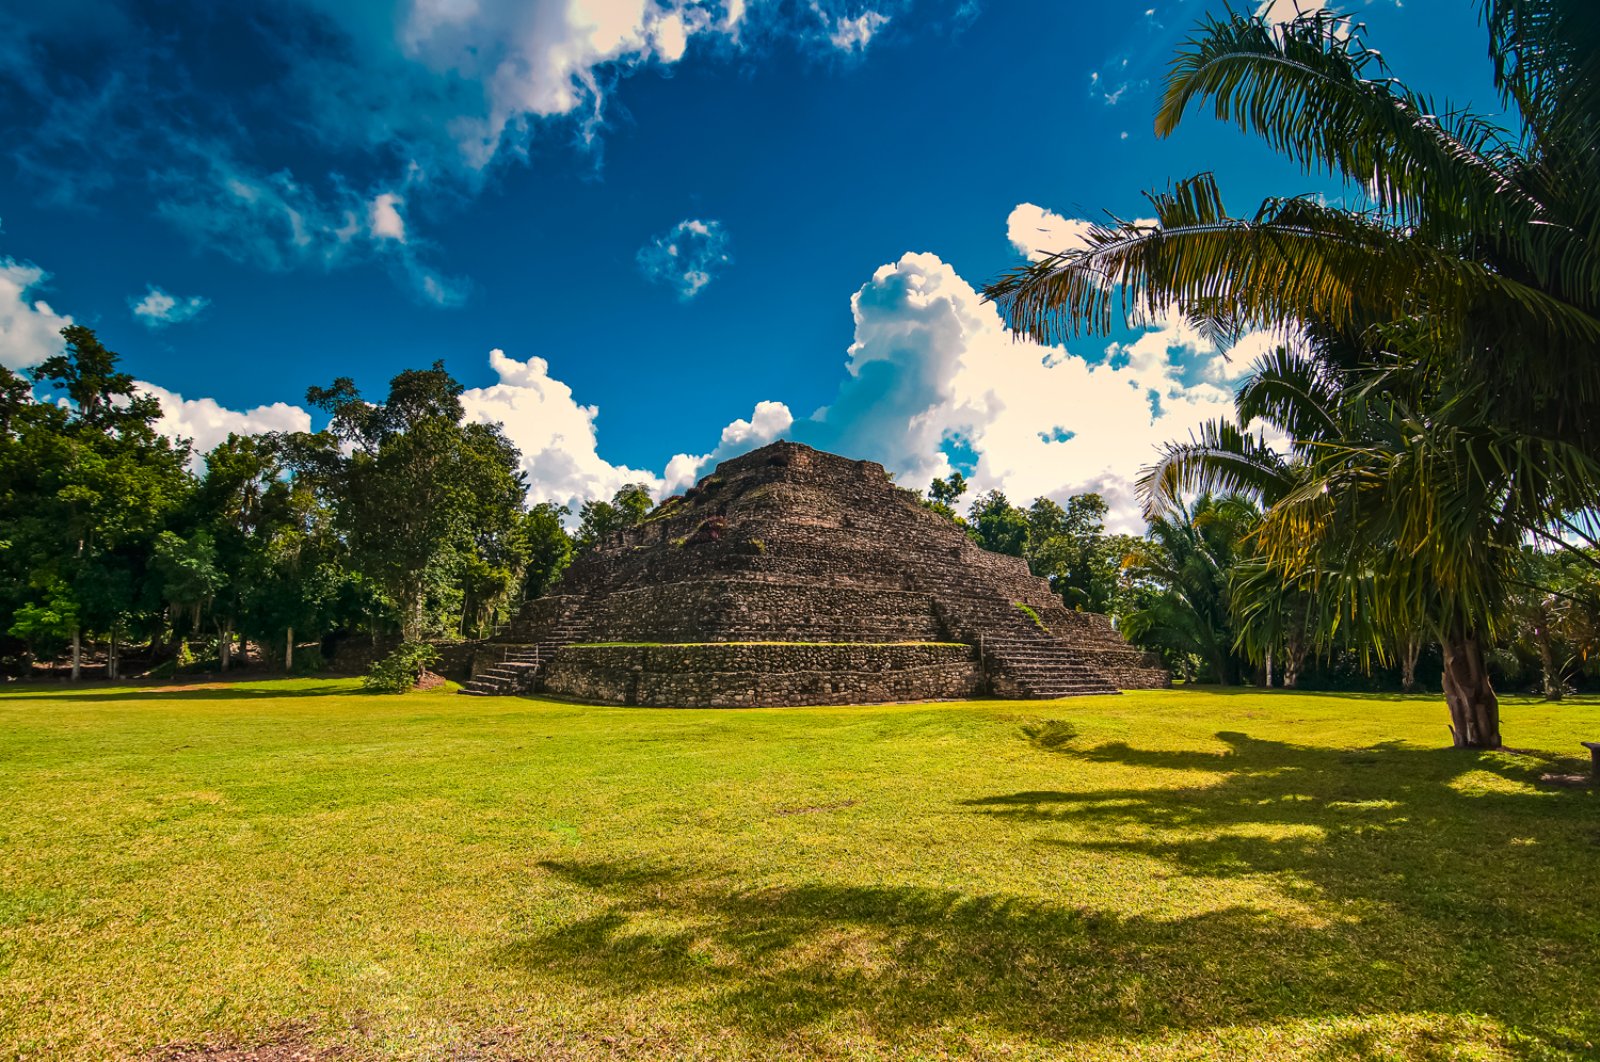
x: 1173, y: 875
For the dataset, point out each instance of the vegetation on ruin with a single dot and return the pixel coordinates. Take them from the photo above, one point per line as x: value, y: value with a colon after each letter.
x: 1165, y: 875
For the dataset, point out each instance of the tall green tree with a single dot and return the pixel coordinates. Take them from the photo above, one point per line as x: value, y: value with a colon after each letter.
x: 599, y: 519
x: 944, y: 494
x: 1188, y: 560
x: 423, y: 495
x: 550, y: 547
x: 87, y: 484
x: 997, y: 525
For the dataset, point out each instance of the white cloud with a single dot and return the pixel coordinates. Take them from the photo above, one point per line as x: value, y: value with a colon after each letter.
x: 532, y: 61
x: 686, y: 257
x: 208, y: 423
x: 386, y: 102
x: 555, y: 433
x: 1289, y: 10
x: 158, y: 308
x: 853, y: 34
x: 385, y: 219
x: 30, y: 331
x: 1040, y: 233
x: 769, y: 421
x: 933, y: 368
x: 671, y: 37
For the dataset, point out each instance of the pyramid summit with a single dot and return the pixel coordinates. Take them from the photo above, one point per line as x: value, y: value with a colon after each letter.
x: 791, y: 576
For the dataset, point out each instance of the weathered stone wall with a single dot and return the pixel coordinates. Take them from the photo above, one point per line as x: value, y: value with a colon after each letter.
x: 754, y: 676
x: 753, y: 610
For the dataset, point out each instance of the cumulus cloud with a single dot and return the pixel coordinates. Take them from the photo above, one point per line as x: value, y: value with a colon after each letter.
x: 30, y: 331
x: 768, y: 421
x: 934, y: 371
x: 555, y: 433
x: 206, y: 422
x: 686, y: 257
x: 1040, y: 233
x: 158, y: 308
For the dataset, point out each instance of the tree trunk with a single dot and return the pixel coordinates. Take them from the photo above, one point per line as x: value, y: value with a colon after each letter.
x: 1547, y: 664
x: 77, y: 653
x: 1269, y: 669
x: 112, y: 670
x: 224, y: 647
x: 288, y: 652
x: 1408, y: 664
x: 1474, y: 708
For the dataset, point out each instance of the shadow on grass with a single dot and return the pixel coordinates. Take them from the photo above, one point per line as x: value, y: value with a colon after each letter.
x: 1435, y: 884
x: 243, y: 689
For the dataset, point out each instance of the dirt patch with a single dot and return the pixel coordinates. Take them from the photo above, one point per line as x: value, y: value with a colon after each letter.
x: 286, y: 1045
x: 840, y: 806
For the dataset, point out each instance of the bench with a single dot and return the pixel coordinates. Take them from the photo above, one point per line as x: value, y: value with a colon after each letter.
x: 1594, y: 755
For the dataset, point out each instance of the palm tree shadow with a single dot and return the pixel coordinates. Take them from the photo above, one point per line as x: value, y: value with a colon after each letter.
x: 1377, y: 842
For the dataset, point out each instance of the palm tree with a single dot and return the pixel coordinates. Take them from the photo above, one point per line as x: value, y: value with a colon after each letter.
x: 1379, y: 519
x: 1188, y: 556
x: 1460, y: 287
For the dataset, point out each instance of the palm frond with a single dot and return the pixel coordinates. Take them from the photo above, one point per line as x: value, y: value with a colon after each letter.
x: 1219, y: 459
x: 1293, y: 392
x: 1305, y: 89
x: 1295, y: 261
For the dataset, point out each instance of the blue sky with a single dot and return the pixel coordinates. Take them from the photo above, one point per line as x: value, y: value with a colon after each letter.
x: 686, y: 227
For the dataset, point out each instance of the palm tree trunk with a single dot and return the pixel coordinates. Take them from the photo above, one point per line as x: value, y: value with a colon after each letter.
x: 1474, y: 708
x: 1408, y: 664
x: 1547, y: 664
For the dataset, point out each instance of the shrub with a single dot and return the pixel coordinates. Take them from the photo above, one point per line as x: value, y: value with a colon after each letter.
x: 401, y: 670
x: 1027, y: 610
x: 710, y: 530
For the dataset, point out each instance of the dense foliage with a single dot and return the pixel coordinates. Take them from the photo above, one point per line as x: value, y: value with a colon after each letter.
x: 1444, y: 314
x: 400, y: 517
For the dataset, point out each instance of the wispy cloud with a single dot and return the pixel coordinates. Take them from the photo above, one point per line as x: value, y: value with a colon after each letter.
x: 687, y: 256
x: 392, y: 105
x: 158, y: 308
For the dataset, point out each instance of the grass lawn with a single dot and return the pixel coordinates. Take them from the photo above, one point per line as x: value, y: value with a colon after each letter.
x: 1171, y: 875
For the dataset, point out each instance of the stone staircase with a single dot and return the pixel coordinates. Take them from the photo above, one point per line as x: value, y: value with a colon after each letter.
x: 1022, y: 660
x: 522, y: 663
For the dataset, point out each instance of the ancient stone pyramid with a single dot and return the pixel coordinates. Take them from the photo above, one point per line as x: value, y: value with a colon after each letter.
x: 790, y: 576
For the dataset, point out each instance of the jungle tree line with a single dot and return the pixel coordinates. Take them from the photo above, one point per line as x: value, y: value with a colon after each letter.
x: 400, y: 516
x: 1197, y: 588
